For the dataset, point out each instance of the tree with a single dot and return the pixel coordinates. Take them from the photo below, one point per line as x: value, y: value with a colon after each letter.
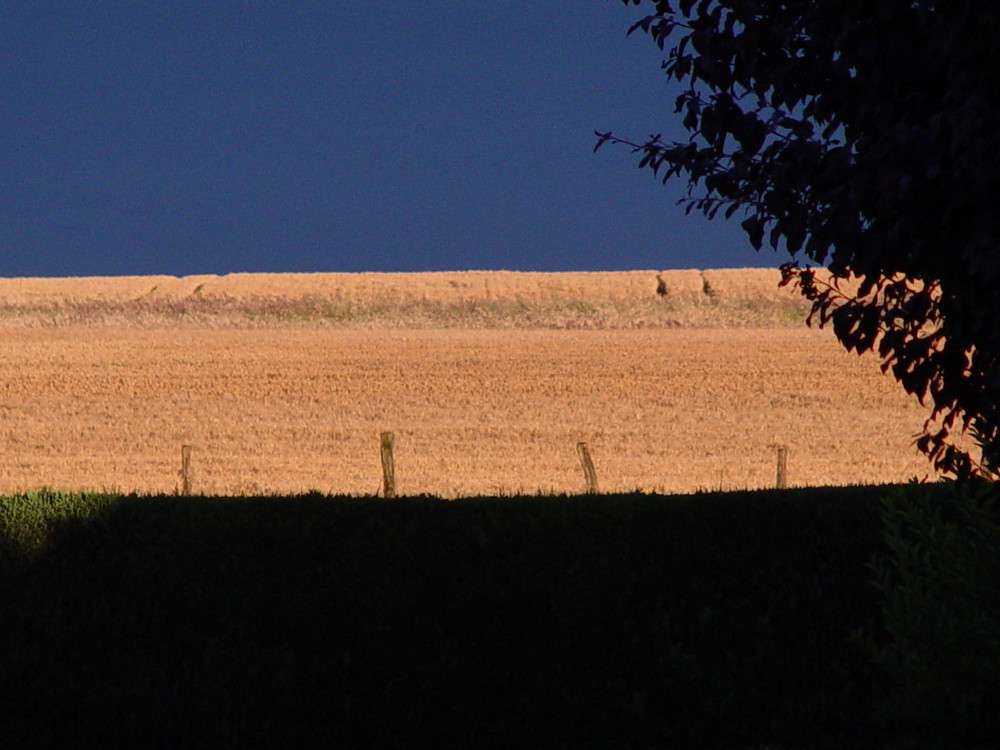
x: 864, y: 137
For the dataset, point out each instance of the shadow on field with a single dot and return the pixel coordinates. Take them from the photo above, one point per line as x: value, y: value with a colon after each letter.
x: 583, y: 622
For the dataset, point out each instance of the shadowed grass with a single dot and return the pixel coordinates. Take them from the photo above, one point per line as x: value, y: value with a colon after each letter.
x: 715, y: 620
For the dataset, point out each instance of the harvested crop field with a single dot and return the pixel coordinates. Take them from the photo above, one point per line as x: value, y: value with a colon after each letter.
x: 101, y: 390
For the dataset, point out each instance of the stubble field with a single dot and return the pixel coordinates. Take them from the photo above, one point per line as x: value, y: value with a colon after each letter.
x: 487, y: 380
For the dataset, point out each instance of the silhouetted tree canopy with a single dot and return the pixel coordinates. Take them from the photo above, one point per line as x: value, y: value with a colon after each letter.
x: 864, y: 137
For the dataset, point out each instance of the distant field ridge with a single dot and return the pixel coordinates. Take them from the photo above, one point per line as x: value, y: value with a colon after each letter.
x: 449, y: 299
x: 687, y: 285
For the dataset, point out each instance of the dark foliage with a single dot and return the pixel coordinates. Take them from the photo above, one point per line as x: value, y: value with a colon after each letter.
x: 864, y: 137
x: 605, y: 622
x: 939, y: 640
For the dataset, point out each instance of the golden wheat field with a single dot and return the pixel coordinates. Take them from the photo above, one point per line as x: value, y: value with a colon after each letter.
x: 282, y: 384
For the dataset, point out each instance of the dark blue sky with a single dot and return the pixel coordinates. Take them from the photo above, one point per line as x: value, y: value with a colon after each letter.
x: 182, y: 137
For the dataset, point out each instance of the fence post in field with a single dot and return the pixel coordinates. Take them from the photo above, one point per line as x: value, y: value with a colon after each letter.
x: 588, y: 468
x: 185, y: 470
x: 781, y: 481
x: 388, y: 467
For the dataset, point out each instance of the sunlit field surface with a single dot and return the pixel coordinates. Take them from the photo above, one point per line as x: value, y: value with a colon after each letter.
x: 486, y: 391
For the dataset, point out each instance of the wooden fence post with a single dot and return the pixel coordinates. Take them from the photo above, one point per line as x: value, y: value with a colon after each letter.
x: 781, y: 481
x: 589, y: 475
x: 388, y: 467
x: 185, y: 470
